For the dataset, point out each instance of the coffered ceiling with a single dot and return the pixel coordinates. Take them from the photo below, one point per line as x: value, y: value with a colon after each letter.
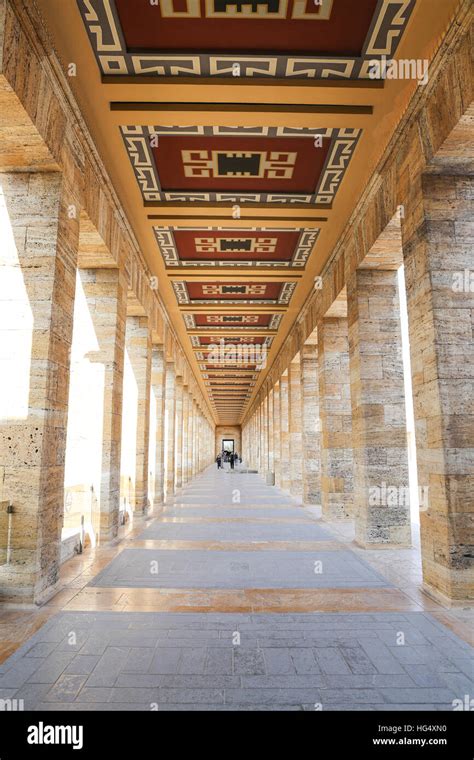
x: 239, y: 136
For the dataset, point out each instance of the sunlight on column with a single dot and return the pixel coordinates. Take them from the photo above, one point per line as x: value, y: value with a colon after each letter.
x: 85, y: 423
x: 410, y: 417
x: 129, y: 437
x: 16, y: 325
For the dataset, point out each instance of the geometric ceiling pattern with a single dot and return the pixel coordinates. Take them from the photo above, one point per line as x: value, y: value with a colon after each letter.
x: 246, y: 247
x: 249, y: 38
x: 239, y: 165
x: 238, y: 203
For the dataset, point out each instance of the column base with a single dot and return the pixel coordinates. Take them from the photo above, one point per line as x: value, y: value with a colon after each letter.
x: 369, y: 545
x: 26, y: 598
x: 446, y: 601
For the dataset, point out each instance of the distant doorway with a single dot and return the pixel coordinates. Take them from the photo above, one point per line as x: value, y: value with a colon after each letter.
x: 228, y: 445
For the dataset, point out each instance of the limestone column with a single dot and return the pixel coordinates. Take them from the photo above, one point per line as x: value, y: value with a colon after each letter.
x: 170, y: 419
x: 158, y: 383
x: 247, y: 450
x: 190, y: 437
x: 296, y: 446
x: 250, y: 456
x: 200, y: 448
x: 271, y: 457
x: 276, y: 434
x: 195, y: 436
x: 38, y: 255
x: 179, y: 432
x: 285, y: 478
x: 437, y: 248
x: 257, y: 438
x: 198, y: 440
x: 311, y: 424
x: 379, y: 434
x: 335, y: 412
x: 138, y: 344
x: 265, y: 434
x: 255, y: 441
x: 185, y: 432
x: 105, y: 291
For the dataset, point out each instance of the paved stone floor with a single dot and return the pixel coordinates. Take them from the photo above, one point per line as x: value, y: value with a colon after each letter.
x: 192, y: 568
x: 254, y: 605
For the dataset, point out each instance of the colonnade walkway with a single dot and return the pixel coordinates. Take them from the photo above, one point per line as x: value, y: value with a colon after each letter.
x: 237, y: 598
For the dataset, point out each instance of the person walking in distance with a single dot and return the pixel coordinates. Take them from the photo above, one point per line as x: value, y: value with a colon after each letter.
x: 219, y: 461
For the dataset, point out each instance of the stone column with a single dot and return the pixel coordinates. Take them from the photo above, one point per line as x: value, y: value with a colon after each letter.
x: 38, y: 256
x: 185, y: 432
x: 198, y: 440
x: 437, y: 249
x: 138, y: 343
x: 200, y: 450
x: 179, y: 433
x: 105, y: 291
x: 257, y: 439
x: 170, y: 438
x: 335, y: 412
x: 296, y: 446
x: 379, y: 433
x: 271, y: 456
x: 158, y: 383
x: 265, y: 428
x: 195, y: 439
x: 311, y: 424
x: 190, y: 437
x: 276, y: 434
x: 285, y: 478
x: 252, y: 443
x: 247, y: 450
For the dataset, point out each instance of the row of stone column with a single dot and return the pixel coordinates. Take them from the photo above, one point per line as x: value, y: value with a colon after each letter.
x: 159, y: 467
x: 88, y: 394
x: 338, y: 434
